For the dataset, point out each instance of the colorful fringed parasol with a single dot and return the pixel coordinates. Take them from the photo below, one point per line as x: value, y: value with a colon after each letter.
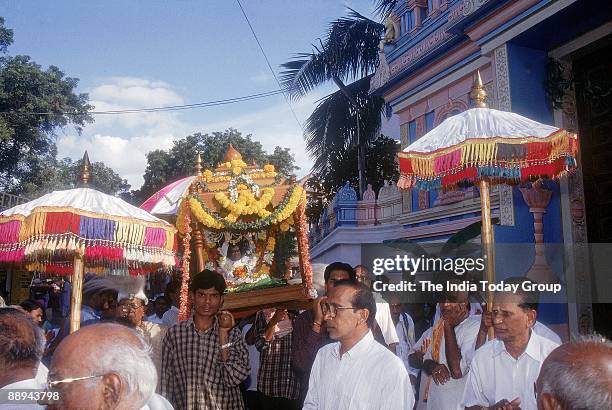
x: 482, y: 143
x: 66, y: 232
x: 167, y: 200
x: 485, y: 146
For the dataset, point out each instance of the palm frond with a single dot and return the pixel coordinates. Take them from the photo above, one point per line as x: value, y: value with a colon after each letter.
x: 384, y: 8
x: 331, y: 128
x: 349, y: 51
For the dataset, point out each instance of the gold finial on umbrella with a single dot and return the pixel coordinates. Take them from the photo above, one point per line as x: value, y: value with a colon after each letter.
x: 85, y: 171
x: 478, y: 94
x: 198, y: 165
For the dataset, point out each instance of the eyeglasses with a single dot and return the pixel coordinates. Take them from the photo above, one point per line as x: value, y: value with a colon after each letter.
x: 53, y: 383
x: 331, y: 309
x: 128, y: 306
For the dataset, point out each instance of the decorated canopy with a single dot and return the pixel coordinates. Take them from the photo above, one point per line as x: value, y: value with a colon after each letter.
x: 235, y: 215
x: 112, y: 236
x: 167, y: 200
x: 486, y: 143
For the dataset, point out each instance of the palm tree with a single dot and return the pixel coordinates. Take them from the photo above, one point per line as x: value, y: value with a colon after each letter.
x: 349, y: 117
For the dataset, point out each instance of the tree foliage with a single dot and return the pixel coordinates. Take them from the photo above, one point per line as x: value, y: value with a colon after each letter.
x: 381, y: 160
x: 34, y: 104
x: 64, y: 174
x: 164, y: 167
x: 349, y: 119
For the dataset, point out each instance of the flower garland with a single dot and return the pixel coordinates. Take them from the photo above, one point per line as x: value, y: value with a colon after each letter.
x: 184, y: 310
x: 246, y: 204
x: 209, y: 177
x: 212, y: 220
x: 234, y: 187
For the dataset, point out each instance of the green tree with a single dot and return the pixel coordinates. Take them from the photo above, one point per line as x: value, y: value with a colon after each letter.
x: 164, y: 167
x: 350, y: 117
x: 64, y: 174
x: 34, y: 104
x: 381, y: 158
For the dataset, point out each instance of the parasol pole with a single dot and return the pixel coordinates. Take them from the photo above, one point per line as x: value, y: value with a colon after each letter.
x: 478, y: 95
x: 198, y: 240
x: 77, y: 293
x: 76, y: 298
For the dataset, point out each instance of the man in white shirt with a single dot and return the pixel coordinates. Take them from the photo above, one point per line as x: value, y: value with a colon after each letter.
x: 383, y: 313
x: 385, y: 323
x: 170, y: 317
x: 19, y: 355
x: 450, y: 352
x: 415, y: 358
x: 160, y: 306
x: 404, y: 327
x: 356, y: 372
x: 503, y: 371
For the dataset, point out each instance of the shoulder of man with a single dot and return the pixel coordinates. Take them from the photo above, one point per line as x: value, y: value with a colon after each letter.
x: 545, y: 344
x: 484, y: 354
x: 387, y: 358
x: 542, y: 330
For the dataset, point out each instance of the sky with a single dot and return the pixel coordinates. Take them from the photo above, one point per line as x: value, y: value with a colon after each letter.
x: 138, y: 54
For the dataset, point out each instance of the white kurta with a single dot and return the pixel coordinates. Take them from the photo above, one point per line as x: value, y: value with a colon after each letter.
x: 405, y: 333
x: 495, y: 375
x: 448, y: 395
x: 421, y: 405
x: 385, y: 322
x: 367, y: 377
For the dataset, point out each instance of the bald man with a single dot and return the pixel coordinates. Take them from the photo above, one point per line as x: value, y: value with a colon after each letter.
x: 577, y: 375
x: 102, y: 366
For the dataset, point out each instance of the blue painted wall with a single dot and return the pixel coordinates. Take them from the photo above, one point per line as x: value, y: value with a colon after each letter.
x: 515, y: 260
x: 527, y: 70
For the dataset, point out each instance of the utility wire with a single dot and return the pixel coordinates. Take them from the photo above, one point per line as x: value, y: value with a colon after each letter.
x: 157, y: 109
x: 268, y: 62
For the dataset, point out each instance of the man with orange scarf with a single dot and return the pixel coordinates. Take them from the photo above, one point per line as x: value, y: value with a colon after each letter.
x: 451, y: 350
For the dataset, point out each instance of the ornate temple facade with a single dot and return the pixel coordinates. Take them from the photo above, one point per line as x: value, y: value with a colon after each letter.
x: 547, y: 60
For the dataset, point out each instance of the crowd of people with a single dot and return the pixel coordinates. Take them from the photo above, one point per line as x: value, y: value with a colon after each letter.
x: 351, y: 350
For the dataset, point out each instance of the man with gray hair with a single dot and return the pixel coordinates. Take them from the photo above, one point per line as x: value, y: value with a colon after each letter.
x: 577, y: 375
x: 104, y: 365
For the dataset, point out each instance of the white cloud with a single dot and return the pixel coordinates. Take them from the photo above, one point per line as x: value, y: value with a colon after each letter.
x: 125, y: 156
x: 130, y: 92
x: 122, y: 141
x: 276, y: 126
x: 262, y: 77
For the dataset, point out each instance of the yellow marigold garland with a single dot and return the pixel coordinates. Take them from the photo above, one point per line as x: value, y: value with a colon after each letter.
x: 281, y: 213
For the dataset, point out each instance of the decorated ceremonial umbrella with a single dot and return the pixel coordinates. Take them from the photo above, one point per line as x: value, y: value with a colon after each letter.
x: 69, y: 231
x: 167, y: 200
x: 484, y: 146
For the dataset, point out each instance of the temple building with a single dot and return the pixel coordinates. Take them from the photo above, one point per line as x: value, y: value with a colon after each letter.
x: 550, y: 61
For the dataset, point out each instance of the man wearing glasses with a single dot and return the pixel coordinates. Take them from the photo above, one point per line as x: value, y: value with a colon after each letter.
x: 309, y: 330
x: 356, y: 372
x: 503, y: 371
x: 131, y: 311
x: 102, y: 366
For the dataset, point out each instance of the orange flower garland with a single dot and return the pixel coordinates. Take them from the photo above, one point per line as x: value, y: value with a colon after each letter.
x: 184, y: 308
